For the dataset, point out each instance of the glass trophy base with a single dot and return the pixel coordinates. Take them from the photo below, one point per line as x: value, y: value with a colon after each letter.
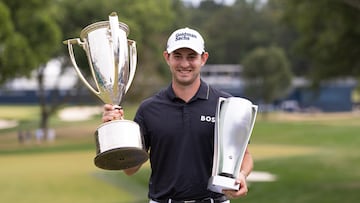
x: 219, y: 183
x: 121, y: 158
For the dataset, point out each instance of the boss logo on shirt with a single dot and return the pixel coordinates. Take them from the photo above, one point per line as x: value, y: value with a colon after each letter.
x: 207, y: 119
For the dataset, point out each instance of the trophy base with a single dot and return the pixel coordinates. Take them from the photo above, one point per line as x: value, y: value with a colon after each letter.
x: 121, y: 158
x: 219, y: 183
x: 119, y: 145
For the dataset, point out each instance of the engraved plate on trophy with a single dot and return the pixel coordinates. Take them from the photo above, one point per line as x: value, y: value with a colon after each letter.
x: 112, y: 61
x: 234, y: 121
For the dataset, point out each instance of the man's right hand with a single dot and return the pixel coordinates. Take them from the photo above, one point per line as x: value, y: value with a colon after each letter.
x: 112, y: 112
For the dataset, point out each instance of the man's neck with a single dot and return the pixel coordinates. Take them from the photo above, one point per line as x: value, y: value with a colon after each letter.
x: 186, y: 92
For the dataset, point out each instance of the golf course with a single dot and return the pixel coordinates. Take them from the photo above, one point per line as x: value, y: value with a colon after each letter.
x: 315, y: 158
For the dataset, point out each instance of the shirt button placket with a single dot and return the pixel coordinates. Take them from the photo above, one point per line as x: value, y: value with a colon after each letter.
x: 186, y: 119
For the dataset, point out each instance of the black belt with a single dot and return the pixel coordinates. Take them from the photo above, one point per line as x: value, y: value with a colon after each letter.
x: 206, y: 200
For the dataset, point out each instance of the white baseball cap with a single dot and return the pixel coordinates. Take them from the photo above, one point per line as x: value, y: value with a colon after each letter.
x: 185, y: 38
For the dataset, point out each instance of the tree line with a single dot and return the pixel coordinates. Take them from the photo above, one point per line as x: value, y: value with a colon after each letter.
x: 320, y: 38
x: 315, y: 39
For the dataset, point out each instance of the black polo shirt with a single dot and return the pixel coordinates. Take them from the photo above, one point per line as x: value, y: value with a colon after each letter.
x: 180, y: 140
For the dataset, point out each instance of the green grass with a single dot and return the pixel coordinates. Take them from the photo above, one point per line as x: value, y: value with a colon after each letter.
x: 315, y: 158
x: 54, y: 177
x: 60, y: 171
x: 19, y: 112
x: 325, y: 171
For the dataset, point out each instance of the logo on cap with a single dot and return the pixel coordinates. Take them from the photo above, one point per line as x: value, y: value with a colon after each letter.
x: 184, y: 36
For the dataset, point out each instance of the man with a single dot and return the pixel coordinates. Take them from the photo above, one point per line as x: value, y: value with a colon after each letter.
x: 179, y: 142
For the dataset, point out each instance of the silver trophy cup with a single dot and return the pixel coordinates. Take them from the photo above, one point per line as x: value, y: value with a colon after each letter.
x: 112, y: 60
x: 234, y: 121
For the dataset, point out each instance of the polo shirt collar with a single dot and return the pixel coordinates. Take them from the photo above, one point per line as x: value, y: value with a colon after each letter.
x: 202, y: 93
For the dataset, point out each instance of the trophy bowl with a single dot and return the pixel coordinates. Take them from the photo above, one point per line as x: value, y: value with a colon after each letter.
x: 112, y: 61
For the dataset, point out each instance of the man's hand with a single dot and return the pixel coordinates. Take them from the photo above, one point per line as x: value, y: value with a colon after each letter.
x: 112, y: 112
x: 233, y: 194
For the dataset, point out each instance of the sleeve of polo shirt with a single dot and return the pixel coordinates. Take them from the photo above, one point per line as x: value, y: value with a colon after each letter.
x: 139, y: 119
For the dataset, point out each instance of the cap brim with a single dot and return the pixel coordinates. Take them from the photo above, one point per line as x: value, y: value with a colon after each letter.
x: 179, y: 46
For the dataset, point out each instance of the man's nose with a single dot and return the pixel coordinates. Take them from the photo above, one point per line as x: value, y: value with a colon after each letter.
x: 184, y: 62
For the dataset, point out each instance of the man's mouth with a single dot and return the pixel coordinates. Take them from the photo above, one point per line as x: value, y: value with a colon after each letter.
x: 184, y: 71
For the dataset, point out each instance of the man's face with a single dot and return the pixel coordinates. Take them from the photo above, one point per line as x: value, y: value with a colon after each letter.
x: 185, y: 65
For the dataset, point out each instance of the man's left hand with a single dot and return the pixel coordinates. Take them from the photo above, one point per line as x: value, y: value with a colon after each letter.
x: 233, y: 194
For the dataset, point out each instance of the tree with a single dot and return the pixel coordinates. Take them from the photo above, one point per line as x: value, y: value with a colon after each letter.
x: 267, y: 74
x: 32, y: 32
x: 231, y: 32
x: 328, y: 35
x: 28, y: 41
x: 28, y: 35
x: 150, y: 23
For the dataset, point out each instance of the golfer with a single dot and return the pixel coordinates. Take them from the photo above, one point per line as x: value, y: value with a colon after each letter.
x: 179, y: 142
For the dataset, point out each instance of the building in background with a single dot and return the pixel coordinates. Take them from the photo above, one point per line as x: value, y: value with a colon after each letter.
x: 330, y: 96
x: 226, y: 77
x: 58, y: 87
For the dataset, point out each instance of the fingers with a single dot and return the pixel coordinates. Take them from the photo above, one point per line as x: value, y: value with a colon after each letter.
x: 242, y: 192
x: 233, y: 194
x: 112, y: 112
x: 108, y: 107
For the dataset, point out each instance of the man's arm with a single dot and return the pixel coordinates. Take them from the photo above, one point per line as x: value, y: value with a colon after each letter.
x: 132, y: 171
x: 247, y: 164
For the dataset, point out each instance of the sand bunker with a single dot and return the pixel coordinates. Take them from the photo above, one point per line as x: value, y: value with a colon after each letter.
x: 8, y: 124
x: 79, y: 113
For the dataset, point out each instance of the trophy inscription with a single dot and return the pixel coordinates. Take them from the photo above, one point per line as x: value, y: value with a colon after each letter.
x: 112, y: 61
x: 234, y: 121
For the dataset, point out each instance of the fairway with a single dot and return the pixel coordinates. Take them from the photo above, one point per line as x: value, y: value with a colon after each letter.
x: 271, y: 151
x: 58, y: 178
x: 315, y: 158
x: 71, y: 177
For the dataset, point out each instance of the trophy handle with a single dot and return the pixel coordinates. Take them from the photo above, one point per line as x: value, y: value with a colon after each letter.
x: 133, y: 62
x: 254, y: 114
x: 70, y: 43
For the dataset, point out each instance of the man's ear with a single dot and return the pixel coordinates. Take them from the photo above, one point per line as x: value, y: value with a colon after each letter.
x: 204, y: 58
x: 166, y: 56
